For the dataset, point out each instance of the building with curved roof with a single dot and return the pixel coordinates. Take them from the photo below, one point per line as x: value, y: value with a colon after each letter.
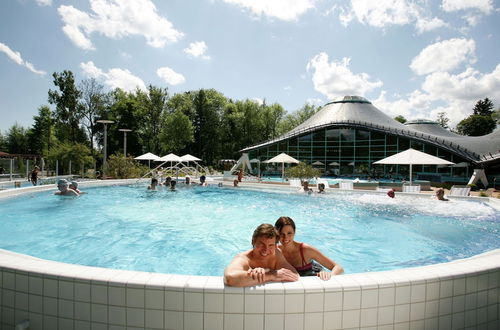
x: 353, y: 133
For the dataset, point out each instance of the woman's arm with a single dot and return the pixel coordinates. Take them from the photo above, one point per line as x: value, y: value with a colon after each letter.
x: 310, y: 252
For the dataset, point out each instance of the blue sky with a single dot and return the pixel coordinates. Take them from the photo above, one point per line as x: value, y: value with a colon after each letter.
x: 411, y: 58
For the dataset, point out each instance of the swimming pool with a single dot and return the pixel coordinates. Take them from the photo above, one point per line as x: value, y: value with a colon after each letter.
x: 198, y: 230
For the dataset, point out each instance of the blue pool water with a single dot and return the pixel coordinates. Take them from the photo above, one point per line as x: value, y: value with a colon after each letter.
x: 198, y: 230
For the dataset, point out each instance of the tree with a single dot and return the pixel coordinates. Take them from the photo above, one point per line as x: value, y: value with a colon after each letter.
x: 17, y: 140
x: 77, y: 153
x: 476, y: 125
x: 442, y: 119
x: 40, y: 134
x: 151, y: 107
x: 483, y: 107
x: 177, y: 132
x: 296, y: 118
x: 68, y: 108
x: 3, y: 142
x: 401, y: 119
x: 496, y: 116
x: 93, y: 103
x: 302, y: 171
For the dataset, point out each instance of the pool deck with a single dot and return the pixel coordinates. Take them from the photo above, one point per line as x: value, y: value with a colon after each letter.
x: 461, y: 294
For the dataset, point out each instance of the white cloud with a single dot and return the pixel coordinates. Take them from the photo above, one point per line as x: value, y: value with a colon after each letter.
x: 485, y: 6
x: 117, y: 19
x: 17, y: 58
x: 286, y: 10
x: 444, y: 56
x: 197, y: 49
x: 258, y: 100
x: 334, y: 79
x: 114, y: 78
x: 315, y: 101
x: 383, y: 13
x: 170, y: 76
x: 44, y: 2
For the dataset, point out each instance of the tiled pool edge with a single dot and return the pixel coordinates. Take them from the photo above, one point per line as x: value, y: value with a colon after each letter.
x: 457, y: 295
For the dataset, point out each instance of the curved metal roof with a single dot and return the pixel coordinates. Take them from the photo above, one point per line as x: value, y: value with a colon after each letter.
x: 357, y: 112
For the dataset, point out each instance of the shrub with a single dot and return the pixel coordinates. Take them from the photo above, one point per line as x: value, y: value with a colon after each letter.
x: 302, y: 171
x: 121, y: 167
x: 483, y: 194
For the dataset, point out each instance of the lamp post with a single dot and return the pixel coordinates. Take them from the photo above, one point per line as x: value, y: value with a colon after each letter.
x: 105, y: 123
x: 125, y: 131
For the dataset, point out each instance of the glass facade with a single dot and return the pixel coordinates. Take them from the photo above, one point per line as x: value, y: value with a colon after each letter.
x: 352, y: 151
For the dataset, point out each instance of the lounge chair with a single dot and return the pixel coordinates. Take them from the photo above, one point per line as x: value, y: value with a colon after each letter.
x: 346, y: 185
x: 295, y: 183
x: 459, y: 191
x: 411, y: 188
x: 384, y: 189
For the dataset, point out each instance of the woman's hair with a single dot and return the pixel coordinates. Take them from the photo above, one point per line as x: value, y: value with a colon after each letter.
x: 154, y: 181
x: 265, y: 230
x: 321, y: 185
x: 282, y: 222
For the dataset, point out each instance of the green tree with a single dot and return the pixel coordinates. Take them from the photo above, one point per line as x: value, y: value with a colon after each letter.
x: 151, y: 107
x: 93, y: 104
x: 401, y: 119
x: 68, y: 109
x: 121, y: 167
x: 483, y: 107
x: 302, y: 171
x: 41, y: 134
x: 17, y: 140
x: 292, y: 120
x: 3, y: 143
x: 77, y: 153
x: 442, y: 119
x: 496, y: 116
x: 271, y: 116
x: 476, y: 125
x: 177, y: 132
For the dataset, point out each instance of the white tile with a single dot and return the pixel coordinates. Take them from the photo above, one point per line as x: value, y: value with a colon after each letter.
x: 22, y: 282
x: 333, y: 301
x: 154, y: 318
x: 116, y: 296
x: 459, y: 286
x: 49, y: 322
x: 493, y: 277
x: 35, y: 285
x: 174, y: 300
x: 193, y: 302
x: 418, y: 293
x: 314, y: 302
x: 21, y: 301
x: 214, y: 302
x: 417, y: 311
x: 233, y: 321
x: 49, y: 306
x: 445, y: 322
x: 445, y: 306
x: 470, y: 318
x: 233, y: 303
x: 135, y: 297
x: 49, y: 287
x: 274, y: 303
x: 369, y: 317
x: 36, y: 321
x: 65, y: 308
x: 254, y: 322
x: 471, y: 284
x: 313, y: 321
x: 294, y: 303
x: 352, y: 300
x: 350, y: 319
x: 135, y: 317
x: 457, y: 320
x: 254, y: 303
x: 82, y: 311
x: 213, y: 321
x: 99, y: 313
x: 99, y: 294
x: 417, y: 325
x: 369, y: 298
x: 403, y: 295
x: 332, y: 320
x: 482, y: 282
x: 470, y: 301
x: 174, y: 320
x: 432, y: 323
x: 9, y: 280
x: 154, y: 299
x: 386, y: 296
x: 35, y: 304
x: 493, y: 296
x: 482, y: 314
x: 446, y: 289
x: 432, y: 291
x: 482, y: 298
x: 432, y: 309
x: 82, y: 292
x: 274, y: 321
x: 458, y: 304
x: 402, y: 313
x: 117, y: 315
x: 294, y: 321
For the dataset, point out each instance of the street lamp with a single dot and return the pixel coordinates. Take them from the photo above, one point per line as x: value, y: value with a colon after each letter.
x: 125, y: 130
x: 105, y: 123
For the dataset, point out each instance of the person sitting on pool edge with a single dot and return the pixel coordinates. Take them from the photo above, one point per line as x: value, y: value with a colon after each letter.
x: 64, y: 190
x: 154, y: 183
x: 74, y: 185
x: 261, y: 264
x: 303, y: 256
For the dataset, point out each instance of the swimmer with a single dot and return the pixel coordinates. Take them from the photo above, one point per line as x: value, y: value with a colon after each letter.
x: 74, y: 185
x: 321, y: 188
x: 391, y: 193
x: 440, y: 195
x: 202, y: 181
x: 154, y: 183
x: 64, y: 189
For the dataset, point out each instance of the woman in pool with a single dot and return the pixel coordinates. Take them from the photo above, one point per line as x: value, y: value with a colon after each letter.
x: 301, y: 255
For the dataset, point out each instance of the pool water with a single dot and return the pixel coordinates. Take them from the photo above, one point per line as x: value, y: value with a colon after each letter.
x: 198, y: 230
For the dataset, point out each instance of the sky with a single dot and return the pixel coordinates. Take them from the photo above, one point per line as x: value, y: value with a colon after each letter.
x: 411, y: 58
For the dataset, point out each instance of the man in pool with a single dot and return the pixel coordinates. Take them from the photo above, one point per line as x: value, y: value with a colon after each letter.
x: 64, y: 190
x: 263, y: 263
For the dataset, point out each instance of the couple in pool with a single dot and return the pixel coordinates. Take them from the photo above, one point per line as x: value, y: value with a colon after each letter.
x: 268, y: 262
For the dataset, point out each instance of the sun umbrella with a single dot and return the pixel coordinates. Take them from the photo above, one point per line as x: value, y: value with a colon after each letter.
x: 147, y: 156
x: 283, y: 158
x: 170, y: 158
x: 334, y: 164
x: 189, y: 158
x: 413, y: 157
x: 318, y: 163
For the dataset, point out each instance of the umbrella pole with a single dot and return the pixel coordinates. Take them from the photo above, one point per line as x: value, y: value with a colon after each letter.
x: 283, y: 171
x: 410, y: 173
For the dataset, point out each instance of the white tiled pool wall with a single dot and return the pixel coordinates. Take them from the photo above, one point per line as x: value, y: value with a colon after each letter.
x: 463, y: 294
